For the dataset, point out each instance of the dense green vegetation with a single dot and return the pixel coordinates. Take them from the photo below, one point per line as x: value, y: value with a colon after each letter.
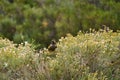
x: 40, y: 21
x: 84, y: 50
x: 89, y: 56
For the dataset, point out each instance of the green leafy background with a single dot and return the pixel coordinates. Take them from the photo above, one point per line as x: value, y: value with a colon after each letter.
x: 40, y: 21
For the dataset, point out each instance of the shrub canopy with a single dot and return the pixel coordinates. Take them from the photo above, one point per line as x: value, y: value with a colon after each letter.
x: 43, y: 20
x: 89, y: 56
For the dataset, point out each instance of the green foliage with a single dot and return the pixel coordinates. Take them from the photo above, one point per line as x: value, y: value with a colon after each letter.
x: 89, y: 56
x: 43, y: 20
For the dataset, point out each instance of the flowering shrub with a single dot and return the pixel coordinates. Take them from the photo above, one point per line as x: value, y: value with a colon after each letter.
x: 87, y: 56
x: 13, y: 59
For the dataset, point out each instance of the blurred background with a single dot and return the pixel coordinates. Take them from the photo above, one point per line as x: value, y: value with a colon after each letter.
x: 40, y: 21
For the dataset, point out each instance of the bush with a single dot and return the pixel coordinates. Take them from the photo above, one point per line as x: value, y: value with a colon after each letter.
x: 86, y: 55
x: 41, y: 21
x: 15, y: 60
x: 91, y: 56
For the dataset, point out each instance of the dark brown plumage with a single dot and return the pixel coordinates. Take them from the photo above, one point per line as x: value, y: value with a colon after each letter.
x: 52, y: 46
x: 11, y: 1
x: 104, y: 27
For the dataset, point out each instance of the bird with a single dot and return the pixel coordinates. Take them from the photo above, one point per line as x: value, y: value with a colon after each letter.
x: 105, y: 28
x: 52, y: 46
